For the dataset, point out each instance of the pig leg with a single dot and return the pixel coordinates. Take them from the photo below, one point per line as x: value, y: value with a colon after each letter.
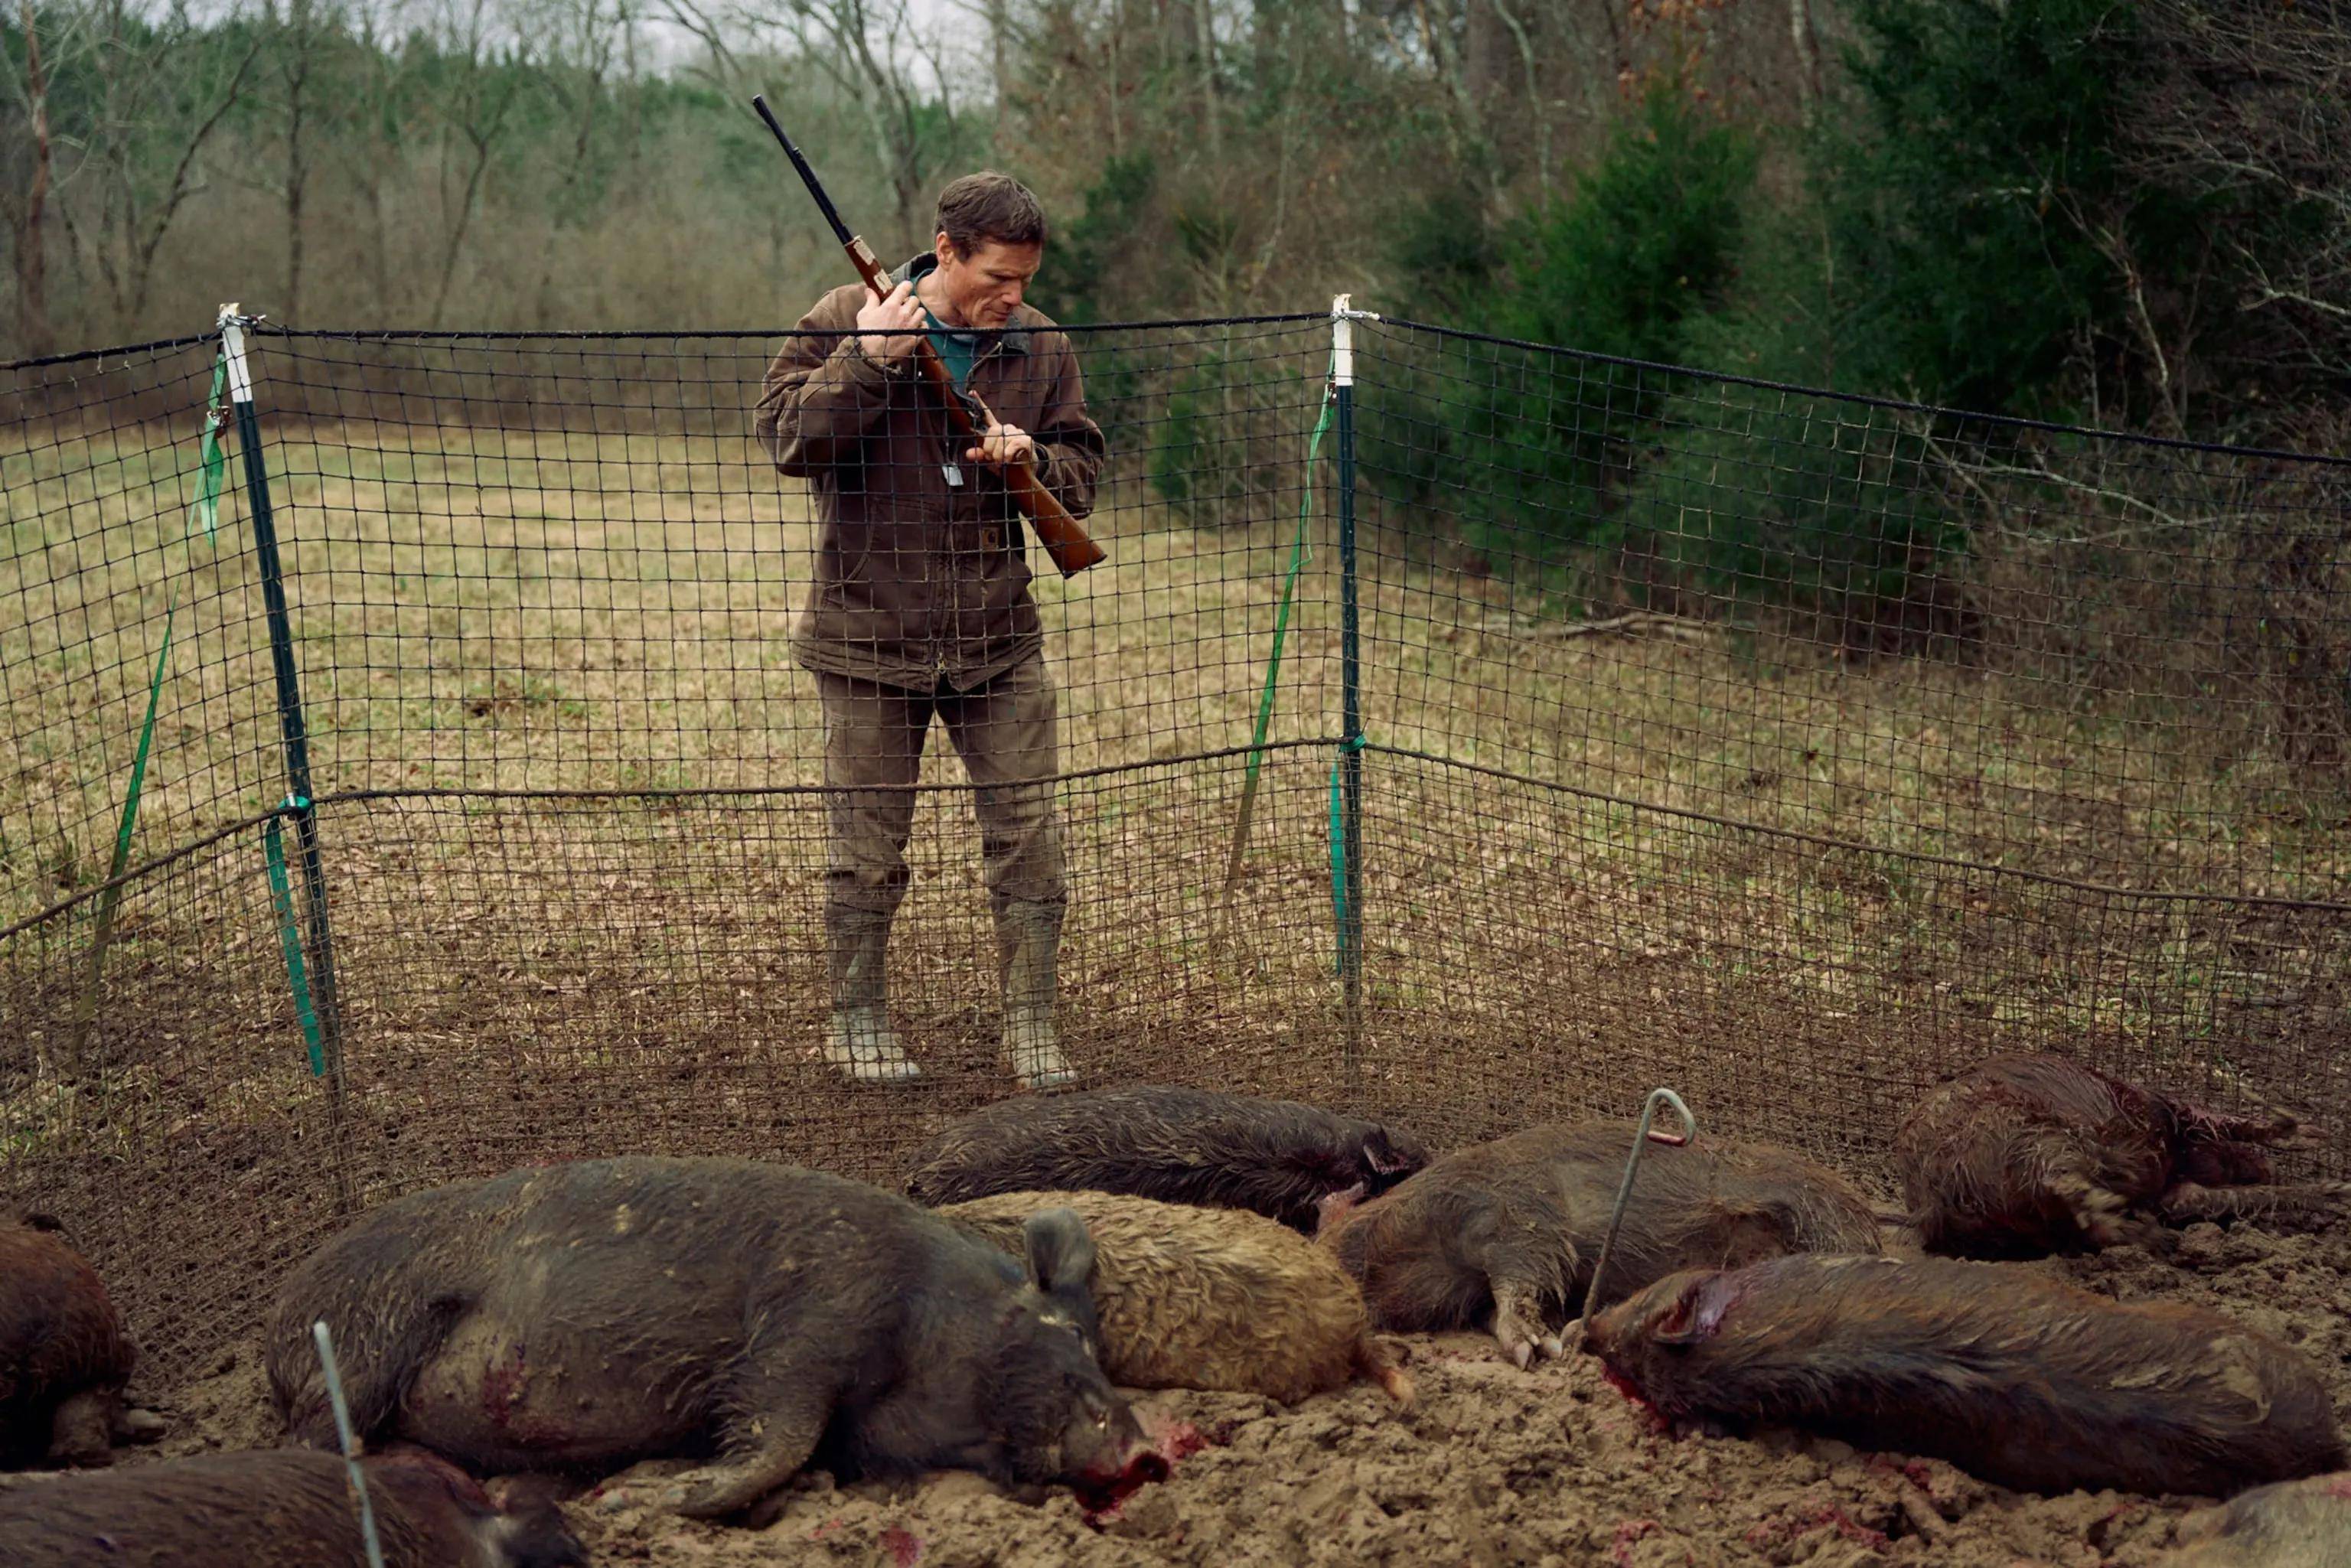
x: 377, y: 1358
x: 2318, y: 1200
x: 776, y: 1414
x: 81, y: 1430
x: 1527, y: 1262
x: 2102, y: 1215
x: 1519, y: 1321
x: 2221, y: 1126
x: 1519, y: 1292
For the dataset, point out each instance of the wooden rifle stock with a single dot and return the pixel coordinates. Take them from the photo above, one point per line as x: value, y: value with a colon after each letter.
x: 1063, y: 539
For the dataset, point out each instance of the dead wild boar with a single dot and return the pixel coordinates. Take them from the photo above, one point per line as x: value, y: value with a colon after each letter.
x: 1506, y: 1232
x: 2023, y: 1155
x: 282, y: 1508
x: 2287, y: 1524
x: 1274, y: 1157
x: 1208, y: 1298
x: 64, y: 1357
x: 583, y: 1316
x: 2023, y: 1380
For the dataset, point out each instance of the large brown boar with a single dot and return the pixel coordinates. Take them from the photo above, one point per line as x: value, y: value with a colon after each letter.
x: 64, y: 1357
x: 2021, y: 1379
x: 1506, y: 1232
x: 281, y: 1509
x: 1274, y: 1157
x: 1208, y: 1298
x: 2023, y: 1155
x: 584, y: 1316
x: 2288, y: 1524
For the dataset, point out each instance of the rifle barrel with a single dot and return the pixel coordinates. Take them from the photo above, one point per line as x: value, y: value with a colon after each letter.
x: 807, y: 176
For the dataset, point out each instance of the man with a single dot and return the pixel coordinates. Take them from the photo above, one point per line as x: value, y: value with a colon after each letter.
x: 920, y: 603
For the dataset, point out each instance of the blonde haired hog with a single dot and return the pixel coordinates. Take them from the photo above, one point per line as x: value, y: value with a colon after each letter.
x: 1208, y: 1298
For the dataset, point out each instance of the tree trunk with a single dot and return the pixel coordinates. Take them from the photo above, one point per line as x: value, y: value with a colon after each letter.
x: 298, y: 72
x: 1808, y: 56
x: 1205, y: 15
x: 32, y: 244
x: 999, y: 51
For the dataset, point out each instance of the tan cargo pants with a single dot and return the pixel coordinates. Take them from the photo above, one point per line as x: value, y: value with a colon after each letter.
x: 874, y: 738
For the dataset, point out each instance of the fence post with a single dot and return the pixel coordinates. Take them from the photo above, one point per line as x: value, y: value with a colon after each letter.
x: 1351, y: 742
x: 318, y: 936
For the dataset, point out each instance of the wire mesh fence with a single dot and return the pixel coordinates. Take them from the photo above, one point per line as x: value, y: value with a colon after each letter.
x: 1629, y: 725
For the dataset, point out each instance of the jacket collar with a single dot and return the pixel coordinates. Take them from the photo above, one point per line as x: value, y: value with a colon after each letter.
x: 1012, y: 339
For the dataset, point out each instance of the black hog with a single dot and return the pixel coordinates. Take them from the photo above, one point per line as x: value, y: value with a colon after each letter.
x: 2024, y: 1156
x: 2288, y: 1524
x: 1274, y: 1157
x: 2021, y: 1379
x: 584, y: 1316
x: 1507, y: 1232
x: 64, y: 1357
x: 1208, y: 1298
x: 280, y: 1508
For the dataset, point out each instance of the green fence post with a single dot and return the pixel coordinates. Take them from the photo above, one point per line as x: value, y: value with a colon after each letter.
x: 1349, y: 867
x: 318, y: 934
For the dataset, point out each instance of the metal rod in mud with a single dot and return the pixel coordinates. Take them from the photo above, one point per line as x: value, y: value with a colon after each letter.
x: 1641, y: 1139
x: 350, y: 1442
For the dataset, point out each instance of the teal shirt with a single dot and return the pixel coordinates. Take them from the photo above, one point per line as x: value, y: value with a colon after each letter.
x: 959, y: 350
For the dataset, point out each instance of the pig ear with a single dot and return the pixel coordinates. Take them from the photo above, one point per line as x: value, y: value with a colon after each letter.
x: 1060, y: 1253
x: 1697, y: 1312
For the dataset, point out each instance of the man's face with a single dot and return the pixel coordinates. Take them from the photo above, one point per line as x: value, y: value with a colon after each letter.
x: 984, y: 289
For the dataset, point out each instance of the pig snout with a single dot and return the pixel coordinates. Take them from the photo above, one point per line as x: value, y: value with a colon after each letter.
x: 1111, y: 1462
x: 1333, y: 1206
x: 1110, y: 1445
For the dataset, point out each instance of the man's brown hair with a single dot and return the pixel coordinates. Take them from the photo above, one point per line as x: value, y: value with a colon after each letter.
x: 988, y: 206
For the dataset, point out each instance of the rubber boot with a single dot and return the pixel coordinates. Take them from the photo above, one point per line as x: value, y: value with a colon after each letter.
x: 858, y: 1038
x: 1028, y: 946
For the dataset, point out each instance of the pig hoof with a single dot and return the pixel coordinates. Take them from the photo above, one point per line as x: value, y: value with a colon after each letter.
x: 1554, y: 1346
x: 710, y: 1494
x: 1522, y: 1353
x: 140, y: 1426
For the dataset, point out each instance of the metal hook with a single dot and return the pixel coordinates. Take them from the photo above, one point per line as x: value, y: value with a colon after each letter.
x: 350, y: 1443
x: 1642, y: 1139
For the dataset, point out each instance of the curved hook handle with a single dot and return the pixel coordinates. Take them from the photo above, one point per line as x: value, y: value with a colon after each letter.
x: 1642, y: 1139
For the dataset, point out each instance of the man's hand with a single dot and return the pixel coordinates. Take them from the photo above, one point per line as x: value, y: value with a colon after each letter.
x: 1003, y: 444
x: 890, y: 324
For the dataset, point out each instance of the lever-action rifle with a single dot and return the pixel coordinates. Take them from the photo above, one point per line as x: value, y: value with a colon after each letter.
x: 1059, y: 533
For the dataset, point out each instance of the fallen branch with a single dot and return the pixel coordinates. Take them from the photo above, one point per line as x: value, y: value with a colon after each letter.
x: 1633, y: 624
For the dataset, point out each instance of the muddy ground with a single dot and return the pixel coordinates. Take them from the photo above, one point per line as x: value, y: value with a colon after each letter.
x: 1491, y: 1466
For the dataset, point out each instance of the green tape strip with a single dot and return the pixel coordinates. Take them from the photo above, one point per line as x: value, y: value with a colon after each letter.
x: 212, y: 457
x: 1298, y: 558
x: 1338, y: 877
x: 212, y: 467
x: 110, y: 901
x: 146, y: 740
x: 289, y: 936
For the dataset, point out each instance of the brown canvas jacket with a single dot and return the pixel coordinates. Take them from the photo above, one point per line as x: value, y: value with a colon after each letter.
x: 919, y: 584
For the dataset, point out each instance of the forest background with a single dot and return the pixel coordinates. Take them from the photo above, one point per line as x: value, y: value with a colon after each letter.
x: 2135, y: 214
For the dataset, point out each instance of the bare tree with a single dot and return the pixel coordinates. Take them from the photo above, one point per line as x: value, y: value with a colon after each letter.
x: 474, y: 105
x: 162, y: 96
x: 2256, y: 105
x: 583, y: 38
x: 32, y: 157
x: 374, y: 154
x: 300, y: 36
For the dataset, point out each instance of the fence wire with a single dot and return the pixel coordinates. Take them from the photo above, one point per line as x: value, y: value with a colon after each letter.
x: 1790, y: 748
